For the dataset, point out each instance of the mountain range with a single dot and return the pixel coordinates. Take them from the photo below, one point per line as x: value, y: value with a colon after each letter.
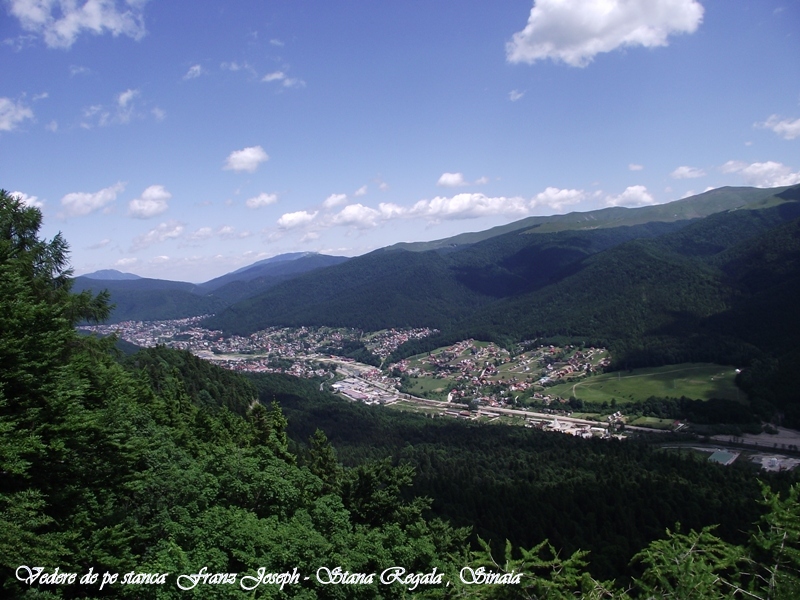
x: 615, y: 273
x: 714, y: 277
x: 143, y: 299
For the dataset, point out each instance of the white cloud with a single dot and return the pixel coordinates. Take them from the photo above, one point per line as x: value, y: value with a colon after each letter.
x: 634, y: 195
x: 635, y: 167
x: 763, y: 174
x: 126, y: 107
x: 482, y: 181
x: 78, y: 70
x: 12, y: 114
x: 362, y: 191
x: 193, y: 72
x: 247, y: 159
x: 125, y: 98
x: 263, y: 199
x: 451, y: 180
x: 334, y: 200
x: 515, y: 95
x: 286, y: 81
x: 459, y: 206
x: 234, y: 66
x: 78, y: 204
x: 276, y: 42
x: 468, y: 206
x: 27, y: 200
x: 165, y: 231
x: 684, y: 172
x: 60, y: 23
x: 293, y: 82
x: 101, y: 244
x: 357, y: 215
x: 201, y: 234
x: 296, y: 219
x: 786, y: 128
x: 389, y: 210
x: 575, y: 31
x: 557, y: 199
x: 126, y: 262
x: 226, y: 232
x: 153, y: 202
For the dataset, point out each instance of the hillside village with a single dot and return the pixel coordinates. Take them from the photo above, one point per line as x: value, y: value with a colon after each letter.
x: 297, y: 351
x: 490, y: 375
x: 469, y: 371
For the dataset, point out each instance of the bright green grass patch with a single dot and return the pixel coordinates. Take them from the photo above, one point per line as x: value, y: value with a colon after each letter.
x: 699, y: 381
x: 429, y: 387
x: 653, y: 422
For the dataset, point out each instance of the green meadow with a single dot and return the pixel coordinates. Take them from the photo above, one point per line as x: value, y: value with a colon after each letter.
x: 699, y: 381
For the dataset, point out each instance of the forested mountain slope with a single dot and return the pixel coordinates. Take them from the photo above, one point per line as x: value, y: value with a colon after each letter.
x: 606, y: 283
x: 404, y: 289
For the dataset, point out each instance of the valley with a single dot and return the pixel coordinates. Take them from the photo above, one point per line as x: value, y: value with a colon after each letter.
x: 545, y: 386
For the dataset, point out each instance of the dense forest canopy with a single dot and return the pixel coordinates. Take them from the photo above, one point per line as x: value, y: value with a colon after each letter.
x: 161, y: 464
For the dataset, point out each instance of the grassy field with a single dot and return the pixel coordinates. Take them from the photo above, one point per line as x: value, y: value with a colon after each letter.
x: 652, y: 422
x: 694, y: 380
x: 430, y: 387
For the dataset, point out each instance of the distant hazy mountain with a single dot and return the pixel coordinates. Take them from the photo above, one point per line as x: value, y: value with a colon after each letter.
x: 110, y: 275
x: 144, y: 299
x: 272, y: 270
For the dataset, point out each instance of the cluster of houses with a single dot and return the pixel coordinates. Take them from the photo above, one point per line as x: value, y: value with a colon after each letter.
x: 259, y: 351
x: 492, y: 376
x: 383, y: 343
x: 147, y: 334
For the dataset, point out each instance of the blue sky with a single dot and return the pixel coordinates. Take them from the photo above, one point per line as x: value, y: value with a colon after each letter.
x: 185, y: 140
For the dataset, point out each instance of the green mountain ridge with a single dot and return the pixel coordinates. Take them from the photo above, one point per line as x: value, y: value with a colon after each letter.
x: 475, y: 288
x: 694, y: 207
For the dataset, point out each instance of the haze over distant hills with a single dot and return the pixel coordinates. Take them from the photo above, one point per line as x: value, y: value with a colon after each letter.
x: 144, y: 299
